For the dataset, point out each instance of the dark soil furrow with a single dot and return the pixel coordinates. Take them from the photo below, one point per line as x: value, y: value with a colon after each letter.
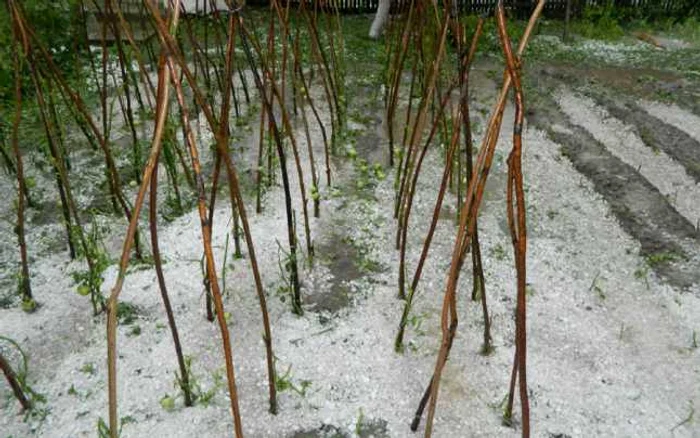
x: 641, y: 209
x: 655, y: 133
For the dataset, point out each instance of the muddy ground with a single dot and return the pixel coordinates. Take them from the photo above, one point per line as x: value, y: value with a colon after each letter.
x: 612, y: 161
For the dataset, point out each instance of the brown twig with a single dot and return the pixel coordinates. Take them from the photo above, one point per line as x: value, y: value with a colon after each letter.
x: 398, y: 343
x: 14, y: 383
x: 114, y: 180
x: 25, y: 289
x: 112, y: 303
x: 416, y: 133
x: 153, y: 220
x: 168, y: 43
x: 517, y: 225
x: 466, y: 227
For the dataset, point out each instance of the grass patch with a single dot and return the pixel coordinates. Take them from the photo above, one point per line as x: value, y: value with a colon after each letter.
x: 662, y: 258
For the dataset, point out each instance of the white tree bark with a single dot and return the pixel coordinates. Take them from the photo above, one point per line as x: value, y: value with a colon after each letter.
x: 380, y: 19
x: 200, y: 6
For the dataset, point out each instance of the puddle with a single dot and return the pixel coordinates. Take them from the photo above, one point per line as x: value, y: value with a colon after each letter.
x: 370, y: 144
x: 374, y: 428
x: 46, y: 213
x: 325, y: 431
x: 341, y: 258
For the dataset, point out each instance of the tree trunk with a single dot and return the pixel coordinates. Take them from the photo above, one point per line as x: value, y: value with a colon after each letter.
x: 380, y: 19
x: 567, y: 19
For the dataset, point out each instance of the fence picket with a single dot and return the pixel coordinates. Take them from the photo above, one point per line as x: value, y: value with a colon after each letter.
x: 517, y: 7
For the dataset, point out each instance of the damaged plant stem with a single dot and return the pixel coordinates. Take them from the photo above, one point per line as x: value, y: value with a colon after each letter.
x: 465, y: 234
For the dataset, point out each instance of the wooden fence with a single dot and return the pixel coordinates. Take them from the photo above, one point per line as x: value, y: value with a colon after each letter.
x: 519, y: 7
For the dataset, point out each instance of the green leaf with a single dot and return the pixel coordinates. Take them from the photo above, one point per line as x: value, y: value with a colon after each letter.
x: 167, y: 403
x: 84, y: 290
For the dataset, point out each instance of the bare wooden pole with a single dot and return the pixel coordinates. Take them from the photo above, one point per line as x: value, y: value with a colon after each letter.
x: 25, y: 289
x: 398, y: 343
x: 14, y: 383
x: 412, y: 154
x: 81, y: 107
x: 155, y: 248
x: 267, y: 105
x: 478, y: 280
x: 517, y: 225
x: 567, y: 19
x: 209, y: 256
x: 168, y: 44
x: 466, y: 231
x: 112, y: 303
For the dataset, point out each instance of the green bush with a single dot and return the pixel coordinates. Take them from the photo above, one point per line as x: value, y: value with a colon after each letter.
x: 599, y: 22
x: 56, y: 24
